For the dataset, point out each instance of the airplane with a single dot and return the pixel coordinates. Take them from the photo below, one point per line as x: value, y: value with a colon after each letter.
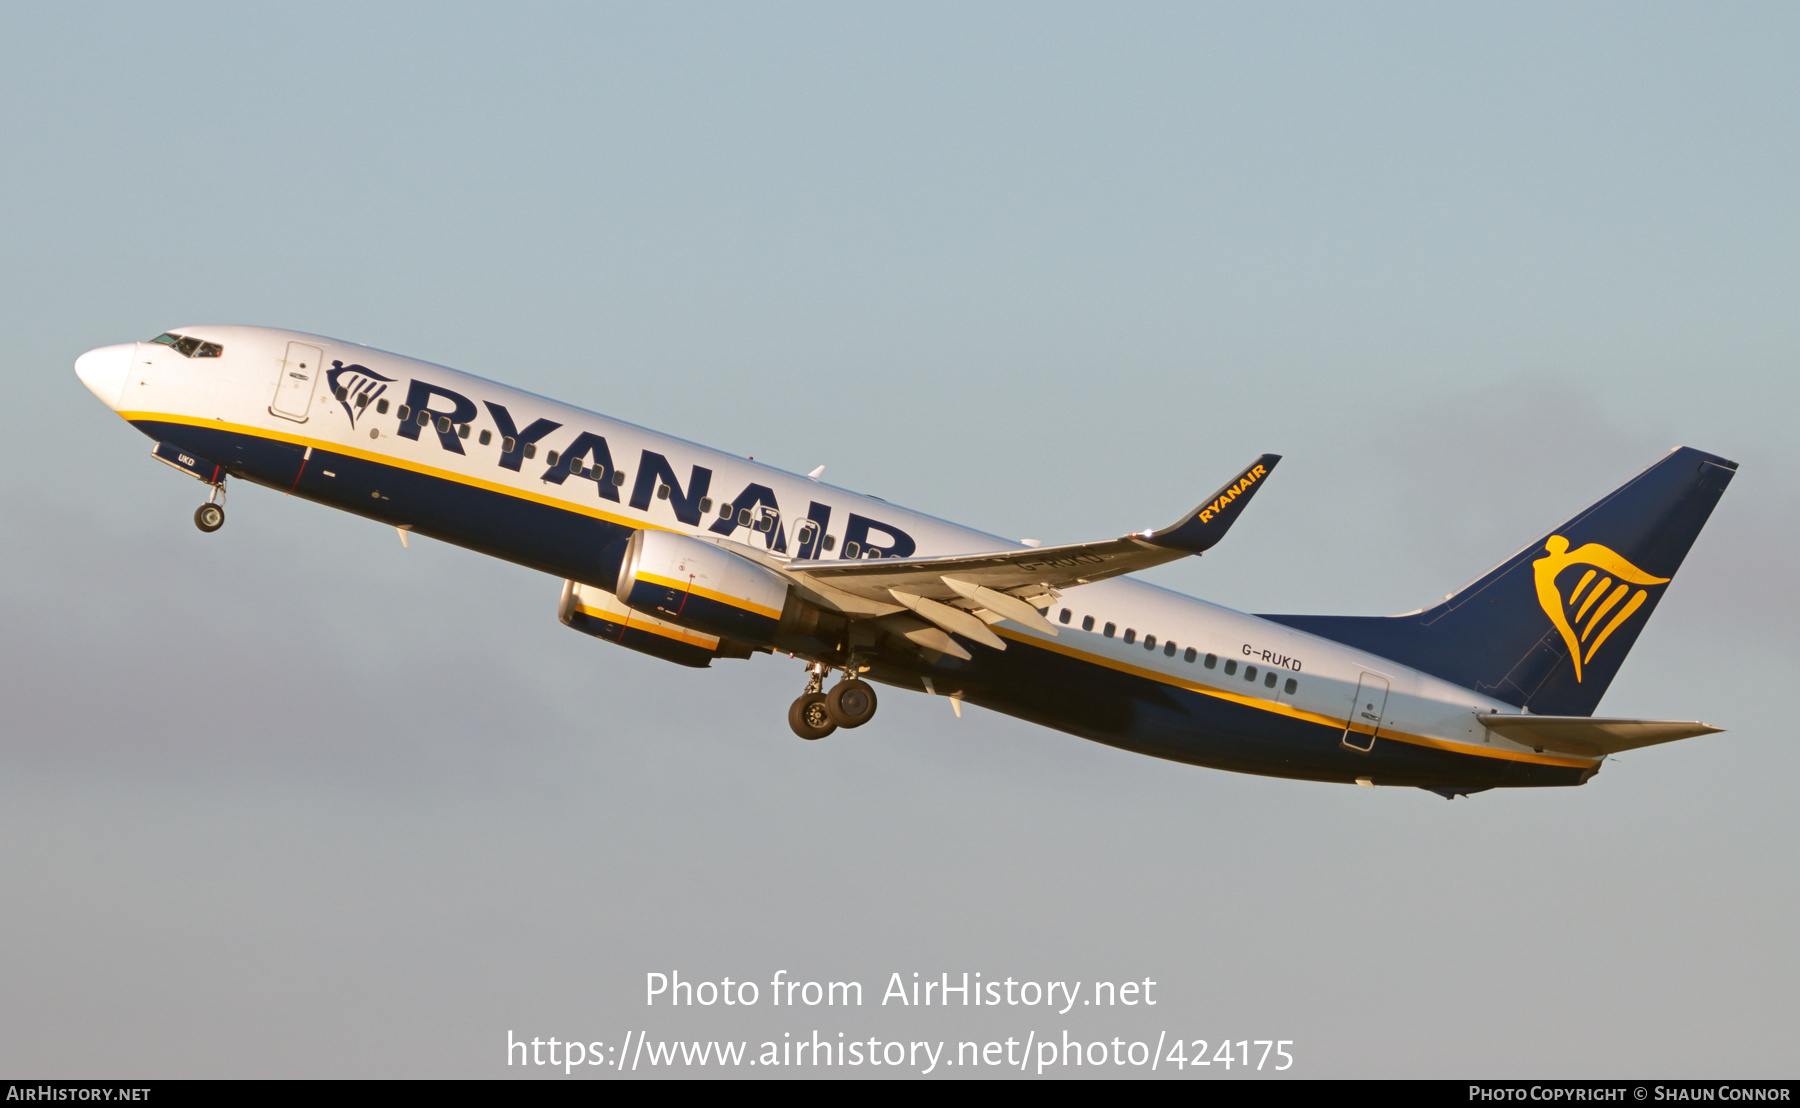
x: 692, y: 555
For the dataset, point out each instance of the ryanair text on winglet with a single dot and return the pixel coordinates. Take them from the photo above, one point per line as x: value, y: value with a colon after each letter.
x: 1254, y: 475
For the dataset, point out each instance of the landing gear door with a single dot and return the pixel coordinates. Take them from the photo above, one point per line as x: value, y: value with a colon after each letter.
x: 1366, y: 713
x: 294, y: 387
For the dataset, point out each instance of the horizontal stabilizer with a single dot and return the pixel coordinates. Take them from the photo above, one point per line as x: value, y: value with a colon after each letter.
x: 1589, y: 736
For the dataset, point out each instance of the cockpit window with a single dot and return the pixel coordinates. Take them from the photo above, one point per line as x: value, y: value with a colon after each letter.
x: 189, y: 347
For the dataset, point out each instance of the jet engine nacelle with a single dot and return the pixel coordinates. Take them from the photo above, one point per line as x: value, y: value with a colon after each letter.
x: 701, y: 586
x: 598, y: 613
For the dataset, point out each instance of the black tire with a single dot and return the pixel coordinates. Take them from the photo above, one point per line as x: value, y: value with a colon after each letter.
x: 209, y: 517
x: 851, y: 703
x: 809, y: 717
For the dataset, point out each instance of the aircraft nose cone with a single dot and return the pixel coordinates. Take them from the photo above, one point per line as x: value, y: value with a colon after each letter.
x: 103, y: 371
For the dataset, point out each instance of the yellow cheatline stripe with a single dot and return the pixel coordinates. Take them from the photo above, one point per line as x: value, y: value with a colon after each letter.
x: 706, y: 642
x: 444, y: 474
x: 1288, y: 709
x: 730, y: 601
x: 397, y: 463
x: 597, y: 513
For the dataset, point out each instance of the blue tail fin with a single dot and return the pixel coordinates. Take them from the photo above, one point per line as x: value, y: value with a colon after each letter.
x: 1548, y: 628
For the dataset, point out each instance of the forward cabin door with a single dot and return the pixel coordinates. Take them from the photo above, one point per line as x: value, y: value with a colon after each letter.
x: 294, y: 388
x: 1366, y: 713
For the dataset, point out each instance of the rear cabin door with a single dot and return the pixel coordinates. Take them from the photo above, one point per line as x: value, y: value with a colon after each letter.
x: 1366, y: 713
x: 294, y: 388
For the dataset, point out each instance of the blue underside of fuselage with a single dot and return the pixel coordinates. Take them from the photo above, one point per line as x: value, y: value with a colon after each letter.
x: 1042, y: 686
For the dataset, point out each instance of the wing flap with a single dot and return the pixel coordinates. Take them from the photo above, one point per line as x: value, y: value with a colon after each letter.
x: 953, y: 620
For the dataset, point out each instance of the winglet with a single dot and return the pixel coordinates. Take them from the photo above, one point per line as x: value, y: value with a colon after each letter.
x: 1201, y: 529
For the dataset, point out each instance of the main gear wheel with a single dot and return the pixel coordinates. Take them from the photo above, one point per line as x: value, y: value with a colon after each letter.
x: 851, y: 703
x: 809, y: 716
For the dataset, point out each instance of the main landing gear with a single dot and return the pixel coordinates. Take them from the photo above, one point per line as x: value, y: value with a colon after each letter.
x: 817, y: 713
x: 210, y: 516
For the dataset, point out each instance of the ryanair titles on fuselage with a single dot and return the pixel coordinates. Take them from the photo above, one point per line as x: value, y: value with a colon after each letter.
x: 588, y: 457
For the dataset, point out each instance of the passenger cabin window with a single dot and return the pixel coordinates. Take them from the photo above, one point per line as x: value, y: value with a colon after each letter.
x: 381, y: 407
x: 1169, y: 651
x: 744, y: 517
x: 618, y: 477
x: 1087, y: 623
x: 1269, y: 680
x: 531, y: 450
x: 830, y: 541
x: 1292, y: 686
x: 851, y: 550
x: 508, y: 445
x: 403, y: 412
x: 1110, y: 628
x: 553, y: 458
x: 1212, y: 661
x: 486, y: 437
x: 705, y: 504
x: 1230, y: 666
x: 1250, y: 673
x: 1066, y: 614
x: 425, y: 418
x: 1190, y: 655
x: 725, y: 510
x: 662, y: 492
x: 1130, y: 634
x: 1149, y: 642
x: 463, y: 431
x: 362, y: 399
x: 443, y: 425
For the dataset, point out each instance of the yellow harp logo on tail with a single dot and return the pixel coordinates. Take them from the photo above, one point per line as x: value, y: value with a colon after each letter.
x: 1590, y: 601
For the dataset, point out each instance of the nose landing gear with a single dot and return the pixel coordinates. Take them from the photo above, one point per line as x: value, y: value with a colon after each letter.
x: 210, y: 516
x: 851, y: 703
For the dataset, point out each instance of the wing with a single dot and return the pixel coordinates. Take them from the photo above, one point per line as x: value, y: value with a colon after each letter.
x: 928, y: 599
x: 1045, y: 569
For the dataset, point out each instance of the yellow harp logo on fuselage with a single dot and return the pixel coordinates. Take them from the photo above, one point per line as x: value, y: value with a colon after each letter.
x: 1590, y: 600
